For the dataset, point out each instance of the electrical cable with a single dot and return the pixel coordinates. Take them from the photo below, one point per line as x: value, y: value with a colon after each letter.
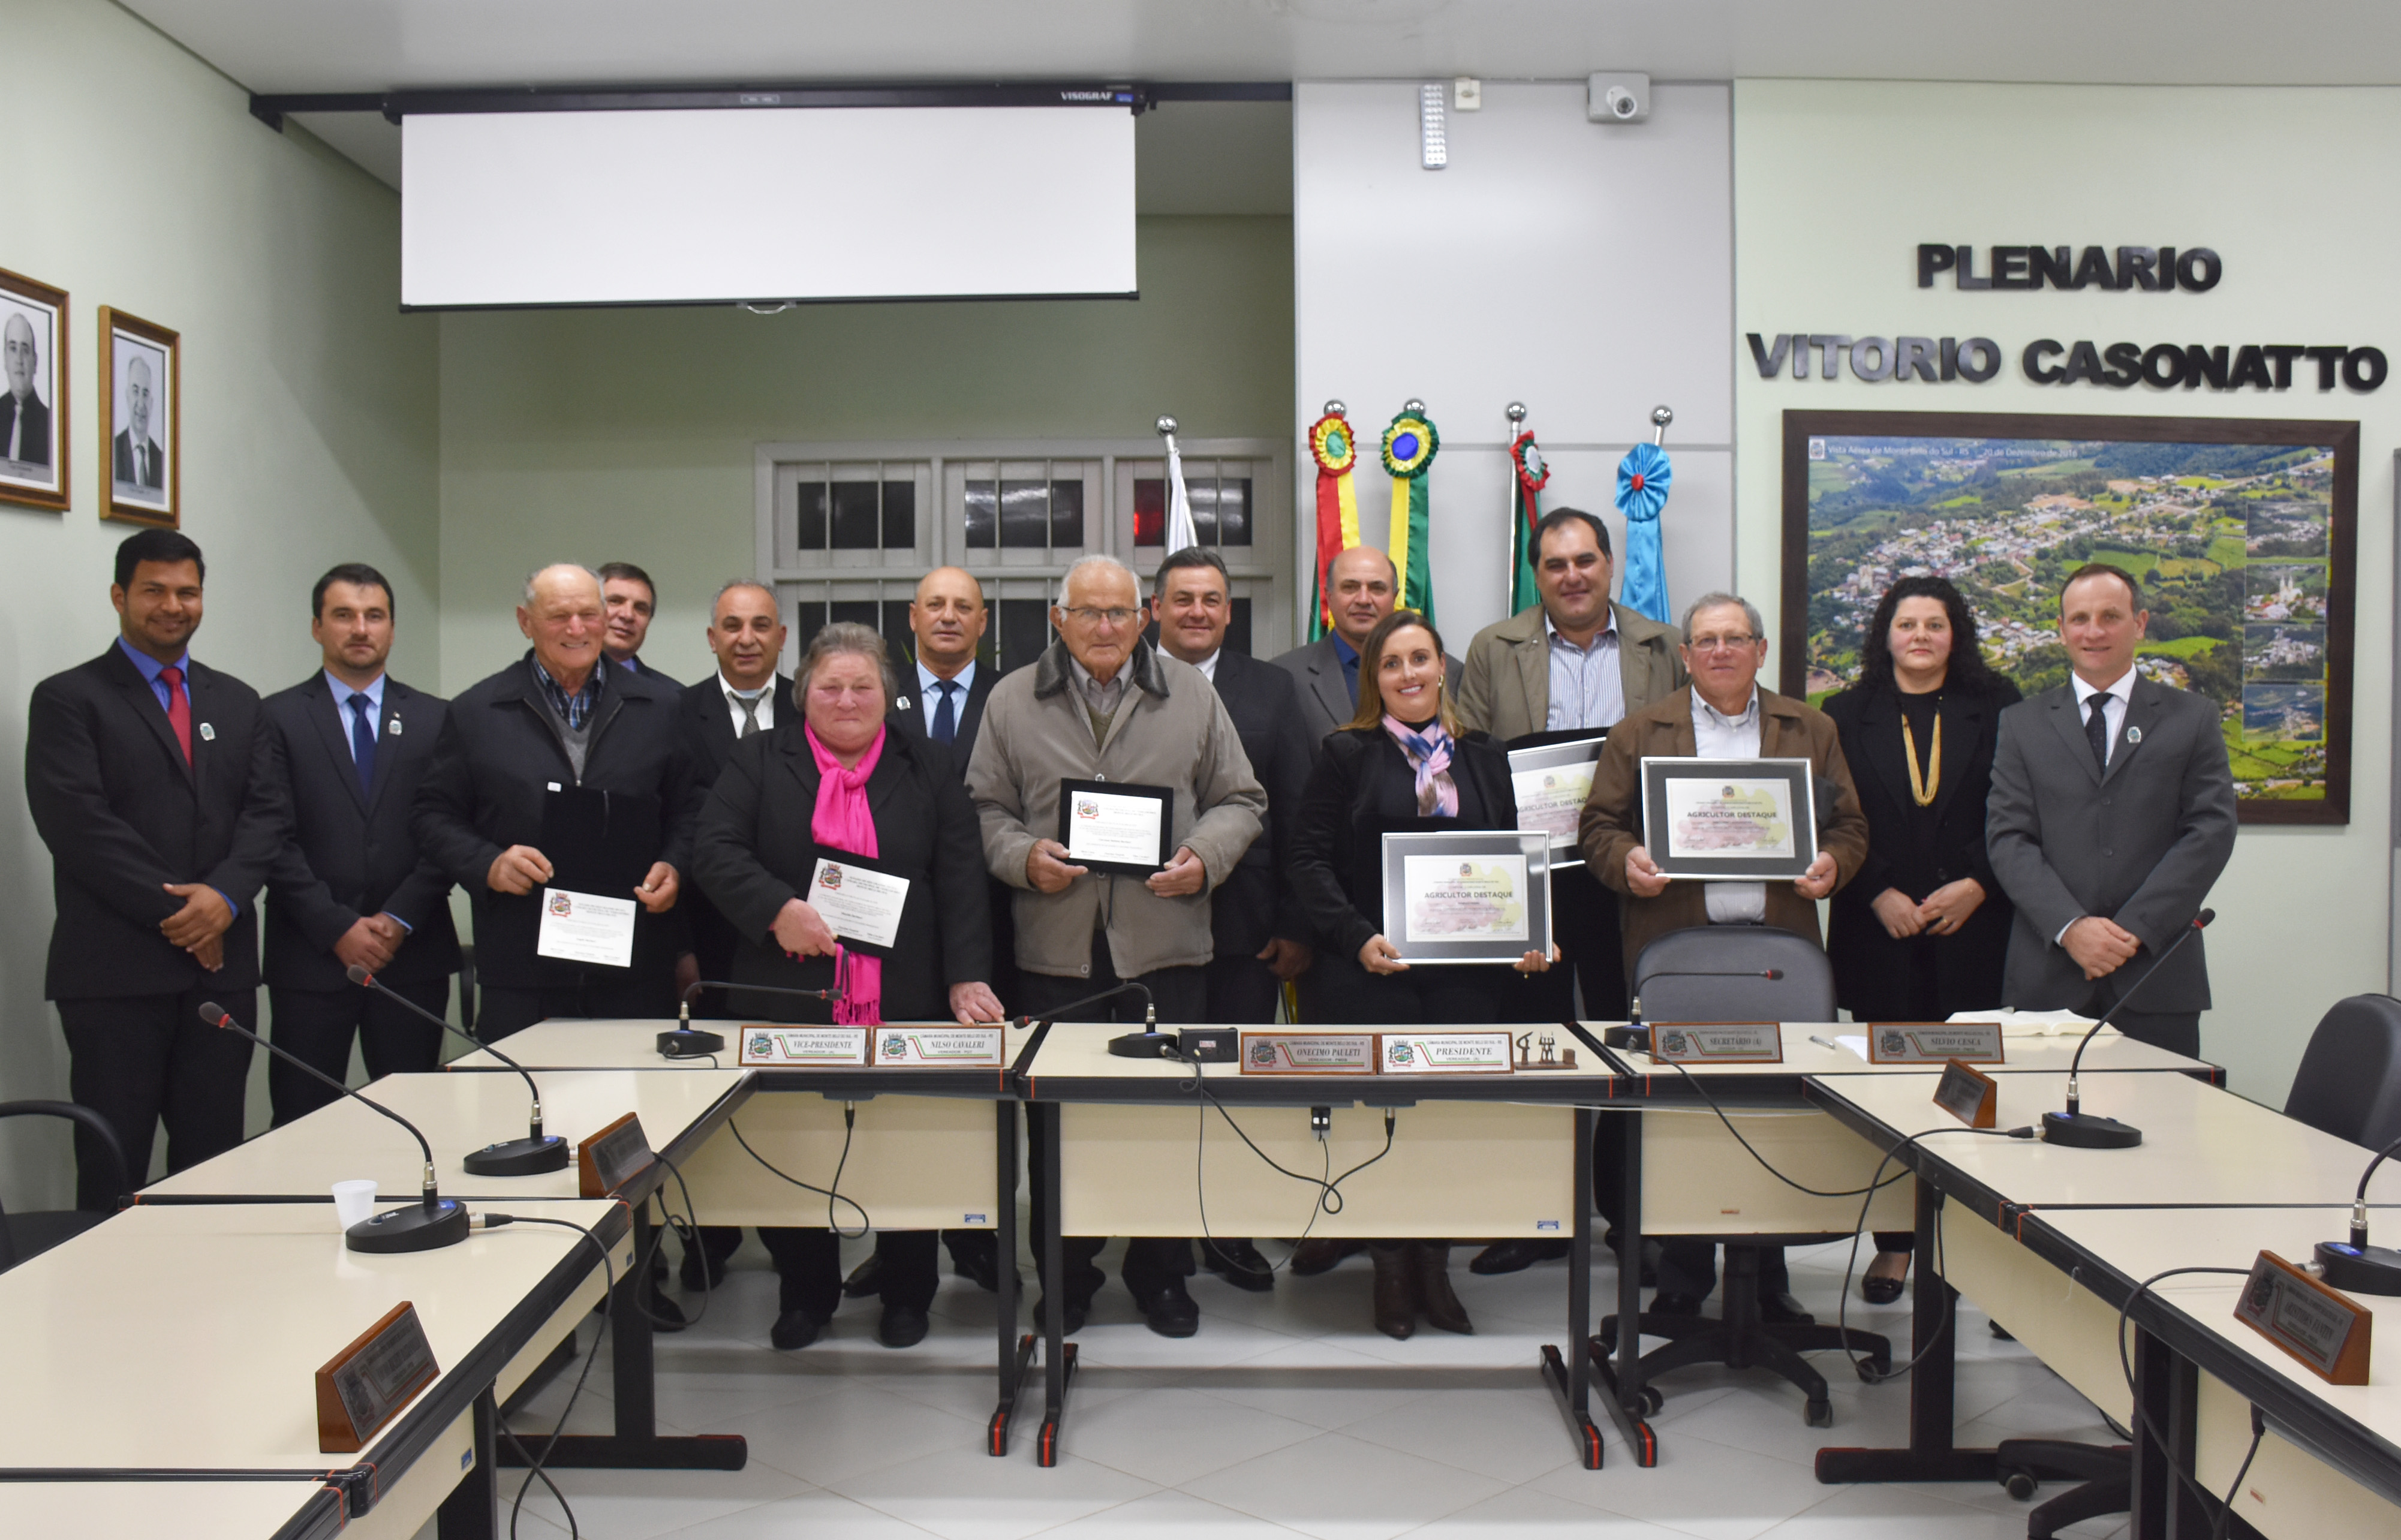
x: 688, y: 1231
x: 608, y: 1300
x: 831, y: 1195
x: 2143, y: 1413
x: 1797, y: 1187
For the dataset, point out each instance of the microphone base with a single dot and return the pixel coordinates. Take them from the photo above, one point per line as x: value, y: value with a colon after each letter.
x: 2360, y: 1269
x: 2083, y: 1131
x: 1143, y: 1045
x: 411, y: 1229
x: 688, y: 1043
x: 525, y: 1157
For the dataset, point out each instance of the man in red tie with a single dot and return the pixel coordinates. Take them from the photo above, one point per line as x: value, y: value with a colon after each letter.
x: 138, y: 775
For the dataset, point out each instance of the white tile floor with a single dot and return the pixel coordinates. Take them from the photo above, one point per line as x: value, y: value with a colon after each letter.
x: 1288, y: 1414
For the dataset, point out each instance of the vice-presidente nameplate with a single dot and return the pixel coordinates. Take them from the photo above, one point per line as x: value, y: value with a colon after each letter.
x: 1308, y: 1054
x: 1935, y: 1042
x: 782, y: 1047
x: 364, y: 1385
x: 1717, y: 1042
x: 1442, y: 1053
x: 2326, y: 1331
x: 612, y: 1157
x: 1969, y: 1094
x: 955, y: 1047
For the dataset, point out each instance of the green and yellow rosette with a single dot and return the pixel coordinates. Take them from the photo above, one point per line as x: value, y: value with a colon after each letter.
x: 1334, y: 446
x: 1409, y: 446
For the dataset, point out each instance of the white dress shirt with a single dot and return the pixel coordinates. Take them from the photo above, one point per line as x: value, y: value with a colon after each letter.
x: 764, y: 695
x: 1208, y: 666
x: 1718, y: 736
x: 2113, y: 713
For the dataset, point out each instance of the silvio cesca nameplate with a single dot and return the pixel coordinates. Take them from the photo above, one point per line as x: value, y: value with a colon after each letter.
x: 1720, y: 1042
x: 1308, y: 1054
x: 1442, y: 1053
x: 935, y: 1047
x: 1935, y: 1042
x: 802, y: 1046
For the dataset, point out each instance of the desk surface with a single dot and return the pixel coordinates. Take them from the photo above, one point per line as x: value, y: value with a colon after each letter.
x: 633, y: 1044
x: 459, y: 1113
x: 2025, y: 1051
x: 1072, y: 1063
x: 188, y: 1511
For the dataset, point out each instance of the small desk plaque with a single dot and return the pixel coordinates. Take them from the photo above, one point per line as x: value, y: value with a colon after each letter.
x: 937, y: 1047
x: 365, y: 1384
x: 2326, y: 1330
x: 785, y: 1047
x: 612, y: 1157
x: 1442, y: 1053
x: 1308, y: 1054
x: 1935, y: 1042
x: 1542, y: 1052
x: 1717, y: 1042
x: 1969, y: 1094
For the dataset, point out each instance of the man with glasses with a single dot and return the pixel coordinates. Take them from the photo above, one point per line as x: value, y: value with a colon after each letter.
x: 1102, y: 704
x: 1721, y: 715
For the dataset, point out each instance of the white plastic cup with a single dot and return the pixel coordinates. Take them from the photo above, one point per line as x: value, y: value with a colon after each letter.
x: 353, y: 1201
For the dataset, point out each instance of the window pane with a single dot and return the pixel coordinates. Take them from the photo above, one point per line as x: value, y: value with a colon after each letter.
x: 1025, y: 514
x: 1231, y: 506
x: 900, y: 516
x: 1150, y: 511
x: 1066, y: 515
x: 808, y: 619
x: 1024, y: 631
x: 855, y: 611
x: 984, y: 515
x: 898, y: 639
x: 855, y: 518
x: 813, y: 515
x: 1238, y: 628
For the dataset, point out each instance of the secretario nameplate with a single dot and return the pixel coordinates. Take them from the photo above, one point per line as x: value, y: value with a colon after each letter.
x: 1308, y: 1054
x: 1934, y: 1042
x: 1442, y: 1053
x: 2326, y: 1331
x: 783, y: 1047
x: 937, y: 1046
x: 1718, y: 1042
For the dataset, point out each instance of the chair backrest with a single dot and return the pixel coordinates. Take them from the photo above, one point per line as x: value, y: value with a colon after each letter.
x: 2349, y: 1084
x: 1717, y: 973
x: 74, y: 1112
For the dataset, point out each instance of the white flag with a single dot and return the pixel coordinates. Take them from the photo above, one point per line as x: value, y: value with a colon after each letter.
x: 1180, y: 530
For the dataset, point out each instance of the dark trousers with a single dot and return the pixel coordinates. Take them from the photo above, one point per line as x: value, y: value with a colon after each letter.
x: 1180, y: 995
x: 1243, y: 991
x: 808, y: 1265
x: 1348, y: 994
x: 1585, y: 924
x: 1689, y: 1266
x: 317, y: 1025
x: 500, y: 1010
x: 144, y: 1059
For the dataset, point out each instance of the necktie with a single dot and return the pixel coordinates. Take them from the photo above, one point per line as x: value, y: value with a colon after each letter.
x: 2096, y: 732
x: 362, y: 741
x: 946, y: 720
x: 749, y: 704
x: 179, y: 708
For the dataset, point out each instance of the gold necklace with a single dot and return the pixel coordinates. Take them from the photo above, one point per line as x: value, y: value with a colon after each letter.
x: 1922, y: 792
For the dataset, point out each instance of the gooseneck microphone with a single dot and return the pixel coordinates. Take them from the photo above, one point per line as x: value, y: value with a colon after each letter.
x: 528, y: 1157
x: 2080, y: 1129
x: 435, y: 1223
x: 2356, y: 1265
x: 1148, y: 1043
x: 686, y: 1041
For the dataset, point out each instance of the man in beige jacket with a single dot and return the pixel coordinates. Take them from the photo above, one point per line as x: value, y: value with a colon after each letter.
x: 1102, y: 704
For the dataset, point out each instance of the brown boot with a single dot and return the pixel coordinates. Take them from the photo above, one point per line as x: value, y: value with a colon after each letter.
x: 1396, y: 1301
x: 1430, y: 1262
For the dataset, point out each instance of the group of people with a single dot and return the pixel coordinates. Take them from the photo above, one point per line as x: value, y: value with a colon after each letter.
x: 2033, y: 854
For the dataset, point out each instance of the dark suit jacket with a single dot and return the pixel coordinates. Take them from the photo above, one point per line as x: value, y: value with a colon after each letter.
x: 643, y: 668
x: 123, y: 815
x: 2140, y: 846
x: 755, y: 851
x: 1871, y: 969
x: 347, y: 852
x: 36, y: 441
x: 155, y: 480
x: 912, y: 710
x: 497, y: 757
x: 708, y: 738
x: 1325, y: 695
x: 1254, y: 902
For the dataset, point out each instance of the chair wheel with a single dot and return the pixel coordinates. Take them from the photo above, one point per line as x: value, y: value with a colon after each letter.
x: 1818, y: 1414
x: 1870, y: 1372
x: 2021, y: 1485
x: 1651, y: 1400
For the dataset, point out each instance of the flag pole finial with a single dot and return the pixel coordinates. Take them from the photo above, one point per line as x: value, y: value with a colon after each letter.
x: 1413, y: 407
x: 1660, y: 418
x: 1517, y: 413
x: 1335, y: 409
x: 1165, y: 425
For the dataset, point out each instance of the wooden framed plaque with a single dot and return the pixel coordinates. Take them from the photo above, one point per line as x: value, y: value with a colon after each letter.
x: 1969, y: 1094
x: 1730, y: 820
x: 1552, y: 780
x: 2316, y: 1324
x: 782, y: 1047
x: 1117, y: 825
x: 612, y: 1157
x: 937, y: 1046
x: 1935, y: 1042
x: 1717, y: 1042
x: 365, y: 1385
x: 1467, y: 896
x: 1308, y: 1054
x: 1442, y: 1053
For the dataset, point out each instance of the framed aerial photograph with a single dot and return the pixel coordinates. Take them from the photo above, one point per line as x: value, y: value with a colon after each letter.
x: 142, y: 400
x: 2243, y: 534
x: 34, y: 458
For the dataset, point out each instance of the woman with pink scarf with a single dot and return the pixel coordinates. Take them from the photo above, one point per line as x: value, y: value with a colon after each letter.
x: 837, y: 783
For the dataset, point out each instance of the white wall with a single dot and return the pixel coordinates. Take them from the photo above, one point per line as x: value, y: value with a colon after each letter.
x: 1836, y: 183
x: 1583, y: 268
x: 142, y: 182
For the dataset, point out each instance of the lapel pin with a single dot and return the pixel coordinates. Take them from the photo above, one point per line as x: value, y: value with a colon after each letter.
x: 903, y: 704
x: 208, y: 733
x: 2134, y: 734
x: 394, y: 728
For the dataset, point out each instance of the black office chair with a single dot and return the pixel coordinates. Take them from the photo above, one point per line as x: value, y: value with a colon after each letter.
x: 2349, y: 1085
x: 1717, y: 973
x: 25, y: 1236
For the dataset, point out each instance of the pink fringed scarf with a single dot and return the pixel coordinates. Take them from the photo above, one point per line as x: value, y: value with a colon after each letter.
x: 842, y: 822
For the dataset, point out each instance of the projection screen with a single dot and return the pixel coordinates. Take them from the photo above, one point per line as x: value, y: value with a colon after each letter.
x: 721, y: 205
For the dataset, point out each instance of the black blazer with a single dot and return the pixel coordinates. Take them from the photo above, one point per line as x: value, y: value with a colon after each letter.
x: 1871, y: 969
x: 708, y: 738
x: 497, y: 755
x: 347, y: 852
x: 1253, y: 903
x: 912, y: 710
x: 122, y: 452
x: 648, y: 672
x: 35, y: 439
x: 754, y: 852
x: 123, y: 815
x: 1338, y: 849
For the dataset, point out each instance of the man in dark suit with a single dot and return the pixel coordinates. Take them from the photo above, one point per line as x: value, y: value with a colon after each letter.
x: 1361, y: 588
x: 632, y: 601
x: 139, y: 776
x: 343, y: 751
x: 2112, y: 813
x: 517, y: 765
x: 24, y: 416
x: 138, y: 463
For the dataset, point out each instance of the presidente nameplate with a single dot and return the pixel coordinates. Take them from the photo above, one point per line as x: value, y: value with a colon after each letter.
x: 1934, y: 1042
x: 1717, y: 1042
x: 953, y: 1047
x: 782, y: 1047
x: 364, y: 1385
x: 612, y: 1157
x: 1442, y: 1053
x: 1308, y: 1054
x: 2326, y: 1331
x: 1970, y: 1095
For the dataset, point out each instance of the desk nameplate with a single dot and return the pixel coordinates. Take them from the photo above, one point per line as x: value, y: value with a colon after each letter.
x: 1442, y: 1053
x: 612, y: 1157
x: 779, y: 1047
x: 1308, y: 1054
x: 364, y: 1386
x: 939, y: 1047
x: 1935, y: 1042
x: 1969, y: 1094
x: 2328, y: 1333
x: 1717, y: 1042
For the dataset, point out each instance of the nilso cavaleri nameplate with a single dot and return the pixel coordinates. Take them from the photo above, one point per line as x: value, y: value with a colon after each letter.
x: 937, y: 1046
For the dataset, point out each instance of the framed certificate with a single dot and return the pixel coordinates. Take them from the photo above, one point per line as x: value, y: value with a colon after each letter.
x: 1480, y: 896
x: 1117, y: 825
x: 1551, y: 781
x: 1730, y: 820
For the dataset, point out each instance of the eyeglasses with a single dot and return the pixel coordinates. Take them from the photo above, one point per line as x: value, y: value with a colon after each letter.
x: 1090, y: 616
x: 1720, y: 644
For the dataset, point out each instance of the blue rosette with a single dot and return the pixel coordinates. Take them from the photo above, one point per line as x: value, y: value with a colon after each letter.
x: 1643, y: 477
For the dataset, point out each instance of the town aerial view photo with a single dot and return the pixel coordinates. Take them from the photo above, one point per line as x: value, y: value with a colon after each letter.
x: 2230, y: 542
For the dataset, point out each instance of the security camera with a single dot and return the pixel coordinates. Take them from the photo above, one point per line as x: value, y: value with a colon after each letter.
x: 1617, y: 98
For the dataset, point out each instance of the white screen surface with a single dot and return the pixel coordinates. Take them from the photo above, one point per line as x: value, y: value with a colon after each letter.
x: 671, y: 206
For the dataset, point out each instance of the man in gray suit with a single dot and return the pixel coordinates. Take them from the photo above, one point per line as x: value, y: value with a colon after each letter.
x: 1361, y: 585
x: 2112, y: 813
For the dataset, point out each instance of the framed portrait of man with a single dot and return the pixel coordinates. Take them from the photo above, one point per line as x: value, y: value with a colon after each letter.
x: 34, y: 458
x: 141, y: 394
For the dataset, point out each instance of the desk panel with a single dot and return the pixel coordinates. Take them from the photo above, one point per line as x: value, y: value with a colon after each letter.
x: 1698, y: 1180
x: 2071, y: 1329
x: 2289, y: 1492
x: 916, y: 1162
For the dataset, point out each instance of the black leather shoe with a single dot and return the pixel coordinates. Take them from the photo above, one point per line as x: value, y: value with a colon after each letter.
x: 1171, y: 1312
x: 902, y: 1325
x: 664, y: 1316
x: 1515, y: 1256
x: 1312, y: 1257
x: 1238, y: 1263
x: 865, y: 1280
x: 1783, y: 1310
x: 694, y: 1259
x: 1674, y: 1304
x: 795, y: 1329
x: 1071, y: 1315
x: 1877, y: 1289
x: 979, y: 1267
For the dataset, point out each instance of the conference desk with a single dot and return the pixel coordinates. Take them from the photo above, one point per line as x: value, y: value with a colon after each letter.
x: 152, y: 1355
x: 1129, y: 1147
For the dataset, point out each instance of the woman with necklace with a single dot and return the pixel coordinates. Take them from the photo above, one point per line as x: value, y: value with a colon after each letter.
x: 1923, y: 930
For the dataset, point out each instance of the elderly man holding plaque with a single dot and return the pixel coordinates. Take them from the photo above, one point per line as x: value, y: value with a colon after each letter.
x: 843, y: 852
x: 1723, y: 715
x: 1115, y: 797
